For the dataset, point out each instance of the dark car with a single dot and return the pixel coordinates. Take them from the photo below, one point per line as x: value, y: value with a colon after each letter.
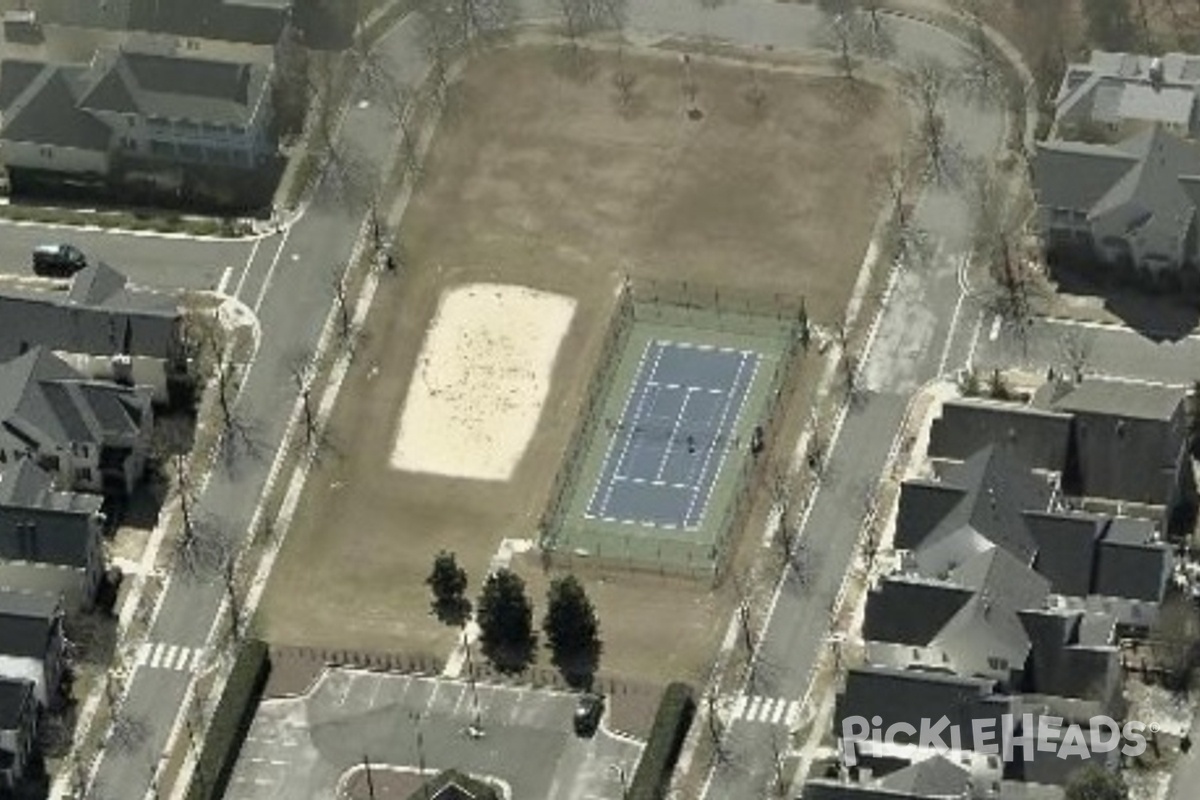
x: 58, y: 259
x: 588, y: 714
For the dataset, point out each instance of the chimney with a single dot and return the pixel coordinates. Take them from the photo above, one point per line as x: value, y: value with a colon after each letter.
x: 1156, y: 73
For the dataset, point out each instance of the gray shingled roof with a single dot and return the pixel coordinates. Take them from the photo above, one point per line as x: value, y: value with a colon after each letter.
x: 1035, y: 437
x: 26, y: 622
x: 15, y: 77
x: 46, y: 113
x: 1066, y: 549
x: 1131, y: 563
x: 1114, y: 398
x: 176, y: 87
x: 100, y: 315
x: 911, y: 610
x: 936, y: 776
x: 16, y: 698
x: 899, y: 695
x: 208, y: 19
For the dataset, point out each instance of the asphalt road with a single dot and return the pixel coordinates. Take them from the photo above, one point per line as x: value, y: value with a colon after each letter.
x: 166, y: 262
x: 297, y: 748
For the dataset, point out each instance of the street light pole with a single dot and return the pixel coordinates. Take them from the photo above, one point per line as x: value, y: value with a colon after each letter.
x: 476, y: 728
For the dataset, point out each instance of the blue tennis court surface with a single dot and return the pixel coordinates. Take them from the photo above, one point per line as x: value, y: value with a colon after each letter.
x: 668, y: 447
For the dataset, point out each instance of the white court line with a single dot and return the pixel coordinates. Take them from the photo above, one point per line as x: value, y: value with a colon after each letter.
x: 655, y: 483
x: 666, y: 456
x: 728, y: 441
x: 684, y: 386
x: 630, y: 433
x: 612, y: 443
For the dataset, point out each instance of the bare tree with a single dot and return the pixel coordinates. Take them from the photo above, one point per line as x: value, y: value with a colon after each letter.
x: 755, y: 97
x: 300, y: 371
x: 983, y: 80
x: 927, y: 82
x: 1075, y: 348
x: 345, y: 314
x: 996, y: 246
x: 624, y: 81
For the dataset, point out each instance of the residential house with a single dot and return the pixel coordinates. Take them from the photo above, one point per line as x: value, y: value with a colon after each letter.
x: 102, y: 326
x: 1125, y: 210
x: 50, y: 541
x: 1115, y: 94
x: 935, y: 777
x: 31, y: 642
x: 245, y: 21
x: 1112, y: 441
x: 18, y: 730
x: 91, y: 435
x: 1130, y: 441
x: 148, y: 113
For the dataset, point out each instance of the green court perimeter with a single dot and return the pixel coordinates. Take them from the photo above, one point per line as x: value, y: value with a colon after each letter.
x: 711, y: 461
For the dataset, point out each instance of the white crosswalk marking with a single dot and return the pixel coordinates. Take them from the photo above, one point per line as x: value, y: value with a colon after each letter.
x: 177, y: 657
x: 767, y: 710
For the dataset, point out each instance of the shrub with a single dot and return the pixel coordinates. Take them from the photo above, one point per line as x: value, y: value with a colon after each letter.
x: 671, y: 723
x: 230, y: 722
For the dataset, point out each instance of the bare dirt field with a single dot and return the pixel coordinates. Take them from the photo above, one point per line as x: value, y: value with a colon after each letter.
x: 536, y: 180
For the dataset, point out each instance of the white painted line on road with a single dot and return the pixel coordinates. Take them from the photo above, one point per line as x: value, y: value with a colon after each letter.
x: 225, y: 276
x: 169, y: 653
x: 1137, y: 381
x: 995, y: 331
x: 779, y: 711
x: 237, y: 292
x: 764, y: 713
x: 738, y: 707
x: 962, y: 295
x: 156, y: 658
x: 262, y: 293
x: 793, y: 714
x: 974, y: 342
x: 143, y: 654
x: 754, y: 705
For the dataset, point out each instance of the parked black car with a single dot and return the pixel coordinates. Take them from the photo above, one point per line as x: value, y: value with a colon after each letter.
x: 58, y: 260
x: 588, y: 714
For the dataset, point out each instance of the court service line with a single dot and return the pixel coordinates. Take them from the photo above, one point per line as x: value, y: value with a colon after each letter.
x: 728, y: 442
x: 662, y: 463
x: 628, y: 430
x: 720, y: 428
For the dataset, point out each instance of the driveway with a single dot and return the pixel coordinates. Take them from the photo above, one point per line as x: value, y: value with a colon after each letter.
x: 298, y: 748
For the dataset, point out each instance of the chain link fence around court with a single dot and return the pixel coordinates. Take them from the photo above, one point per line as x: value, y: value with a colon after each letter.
x: 778, y: 324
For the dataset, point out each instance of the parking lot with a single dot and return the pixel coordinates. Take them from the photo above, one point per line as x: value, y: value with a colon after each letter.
x: 299, y: 747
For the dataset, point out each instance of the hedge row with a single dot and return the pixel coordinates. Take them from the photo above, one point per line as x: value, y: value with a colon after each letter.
x: 671, y: 723
x: 230, y: 722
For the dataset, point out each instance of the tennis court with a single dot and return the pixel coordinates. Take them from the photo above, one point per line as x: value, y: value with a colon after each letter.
x: 675, y: 431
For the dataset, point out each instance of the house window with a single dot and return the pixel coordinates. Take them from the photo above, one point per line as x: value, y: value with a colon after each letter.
x: 46, y: 152
x: 48, y: 462
x: 997, y: 663
x: 83, y: 474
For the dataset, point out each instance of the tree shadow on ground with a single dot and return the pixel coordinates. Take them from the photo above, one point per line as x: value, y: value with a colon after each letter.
x: 510, y: 658
x: 579, y: 669
x: 1159, y: 316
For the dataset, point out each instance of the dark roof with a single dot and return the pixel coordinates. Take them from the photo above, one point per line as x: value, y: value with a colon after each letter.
x: 176, y: 87
x: 936, y: 776
x: 454, y: 785
x: 923, y: 504
x: 26, y: 623
x: 15, y: 77
x: 899, y: 695
x: 1131, y: 563
x: 46, y: 113
x: 1128, y: 438
x: 40, y: 393
x: 911, y: 610
x: 1066, y: 549
x: 225, y: 20
x: 994, y: 491
x: 41, y: 525
x: 1062, y: 664
x: 16, y: 698
x: 100, y: 315
x: 1034, y: 437
x: 835, y: 790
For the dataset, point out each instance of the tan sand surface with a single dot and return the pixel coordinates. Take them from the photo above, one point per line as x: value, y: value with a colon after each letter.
x: 482, y: 377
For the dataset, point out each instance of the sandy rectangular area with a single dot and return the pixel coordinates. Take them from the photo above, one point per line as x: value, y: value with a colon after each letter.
x: 481, y: 379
